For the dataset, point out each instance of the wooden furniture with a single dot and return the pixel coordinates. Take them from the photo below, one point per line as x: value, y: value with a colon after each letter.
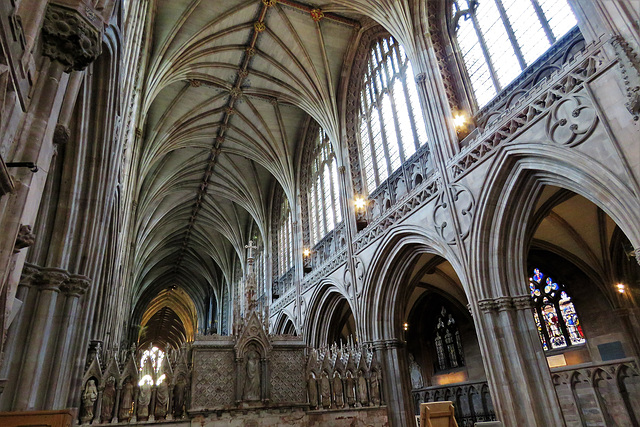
x: 36, y: 419
x: 437, y: 414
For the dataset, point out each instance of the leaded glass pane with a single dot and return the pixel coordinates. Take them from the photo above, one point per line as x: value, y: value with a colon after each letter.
x: 559, y: 15
x: 529, y: 33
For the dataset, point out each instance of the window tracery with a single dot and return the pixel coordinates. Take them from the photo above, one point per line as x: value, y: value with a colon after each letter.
x: 391, y: 123
x: 554, y: 313
x: 285, y: 238
x: 323, y: 189
x: 498, y: 39
x: 447, y: 342
x: 151, y: 366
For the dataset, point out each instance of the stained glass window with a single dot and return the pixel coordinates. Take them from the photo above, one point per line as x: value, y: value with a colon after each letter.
x: 447, y: 342
x: 498, y: 39
x: 392, y: 126
x: 555, y: 315
x: 150, y: 366
x: 324, y: 193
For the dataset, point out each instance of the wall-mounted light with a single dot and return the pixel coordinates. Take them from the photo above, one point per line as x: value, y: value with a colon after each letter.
x: 360, y: 203
x: 460, y: 121
x: 405, y: 326
x: 306, y: 252
x: 621, y: 288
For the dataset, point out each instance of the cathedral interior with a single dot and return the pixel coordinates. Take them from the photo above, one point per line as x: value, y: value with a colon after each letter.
x: 319, y: 212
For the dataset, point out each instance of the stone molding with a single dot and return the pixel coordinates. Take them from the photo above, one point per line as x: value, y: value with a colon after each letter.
x: 55, y: 279
x: 67, y: 37
x: 52, y: 279
x: 379, y: 345
x: 637, y: 251
x: 505, y: 303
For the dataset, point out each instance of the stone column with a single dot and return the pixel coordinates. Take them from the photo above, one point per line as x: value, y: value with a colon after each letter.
x: 522, y: 392
x: 32, y: 373
x: 58, y: 387
x: 397, y: 394
x: 116, y: 404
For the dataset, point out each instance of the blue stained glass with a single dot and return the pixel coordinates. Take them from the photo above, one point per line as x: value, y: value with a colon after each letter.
x: 537, y: 275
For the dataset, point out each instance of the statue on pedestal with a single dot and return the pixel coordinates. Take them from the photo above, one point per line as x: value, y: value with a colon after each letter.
x: 89, y: 397
x: 162, y: 399
x: 126, y: 404
x: 252, y: 378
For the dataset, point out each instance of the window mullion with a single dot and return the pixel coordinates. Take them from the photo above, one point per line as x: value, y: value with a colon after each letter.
x: 543, y: 21
x: 485, y: 52
x: 412, y: 113
x: 368, y: 111
x: 324, y: 205
x: 394, y: 112
x: 383, y: 133
x: 511, y: 34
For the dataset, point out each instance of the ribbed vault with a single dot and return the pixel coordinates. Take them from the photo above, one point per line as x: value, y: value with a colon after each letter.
x: 169, y: 320
x: 228, y: 90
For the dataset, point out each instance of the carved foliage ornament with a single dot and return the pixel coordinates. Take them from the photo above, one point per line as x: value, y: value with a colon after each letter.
x: 571, y: 121
x: 69, y: 39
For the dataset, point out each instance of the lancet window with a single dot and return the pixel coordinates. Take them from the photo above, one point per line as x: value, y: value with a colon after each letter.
x: 554, y: 313
x: 447, y: 341
x: 498, y: 39
x: 151, y: 366
x: 324, y: 192
x: 392, y: 126
x: 285, y: 238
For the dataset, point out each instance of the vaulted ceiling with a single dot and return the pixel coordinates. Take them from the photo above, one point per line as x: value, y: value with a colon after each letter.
x: 229, y: 89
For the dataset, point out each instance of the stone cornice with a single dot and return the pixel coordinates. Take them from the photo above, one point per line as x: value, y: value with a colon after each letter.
x: 52, y: 278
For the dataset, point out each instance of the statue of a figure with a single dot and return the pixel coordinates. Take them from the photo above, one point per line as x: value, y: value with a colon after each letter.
x: 108, y: 400
x: 337, y: 390
x: 362, y: 389
x: 89, y: 397
x: 312, y: 388
x: 144, y: 398
x: 416, y: 376
x: 351, y: 393
x: 325, y: 388
x: 162, y: 399
x: 252, y: 379
x: 126, y: 404
x: 375, y: 389
x: 178, y: 396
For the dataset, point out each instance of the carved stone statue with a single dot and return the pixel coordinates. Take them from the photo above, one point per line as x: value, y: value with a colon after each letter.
x: 108, y: 400
x: 162, y: 399
x: 126, y: 404
x: 178, y: 396
x: 375, y: 389
x: 312, y: 388
x: 144, y: 398
x: 351, y: 393
x: 363, y: 395
x: 416, y: 376
x: 325, y: 387
x: 338, y: 391
x: 89, y: 397
x: 252, y: 379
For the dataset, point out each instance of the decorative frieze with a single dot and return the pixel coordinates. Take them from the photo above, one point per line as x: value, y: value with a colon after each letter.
x: 67, y: 37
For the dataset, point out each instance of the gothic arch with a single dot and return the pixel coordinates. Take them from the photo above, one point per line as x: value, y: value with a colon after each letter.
x: 518, y: 175
x: 389, y: 270
x: 283, y: 321
x: 322, y: 306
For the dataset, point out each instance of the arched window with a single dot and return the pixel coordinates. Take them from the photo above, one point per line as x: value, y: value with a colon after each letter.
x: 151, y: 366
x: 498, y: 39
x: 447, y: 342
x: 392, y: 126
x: 555, y: 315
x: 324, y: 192
x: 285, y: 238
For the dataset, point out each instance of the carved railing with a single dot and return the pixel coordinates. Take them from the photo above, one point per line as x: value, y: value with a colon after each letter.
x: 471, y: 400
x: 599, y: 394
x: 328, y: 246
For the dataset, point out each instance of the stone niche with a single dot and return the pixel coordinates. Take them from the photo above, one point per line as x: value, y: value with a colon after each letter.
x: 251, y: 370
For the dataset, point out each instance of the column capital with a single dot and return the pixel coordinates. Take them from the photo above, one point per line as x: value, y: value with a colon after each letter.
x: 76, y: 286
x: 52, y: 278
x: 505, y: 303
x: 30, y: 273
x: 69, y: 36
x: 386, y: 344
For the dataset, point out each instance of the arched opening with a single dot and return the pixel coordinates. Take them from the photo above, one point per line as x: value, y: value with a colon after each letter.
x: 342, y: 324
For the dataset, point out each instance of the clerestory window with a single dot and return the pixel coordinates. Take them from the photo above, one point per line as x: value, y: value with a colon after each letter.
x: 285, y: 238
x: 498, y: 39
x: 392, y: 126
x: 554, y: 313
x: 324, y: 192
